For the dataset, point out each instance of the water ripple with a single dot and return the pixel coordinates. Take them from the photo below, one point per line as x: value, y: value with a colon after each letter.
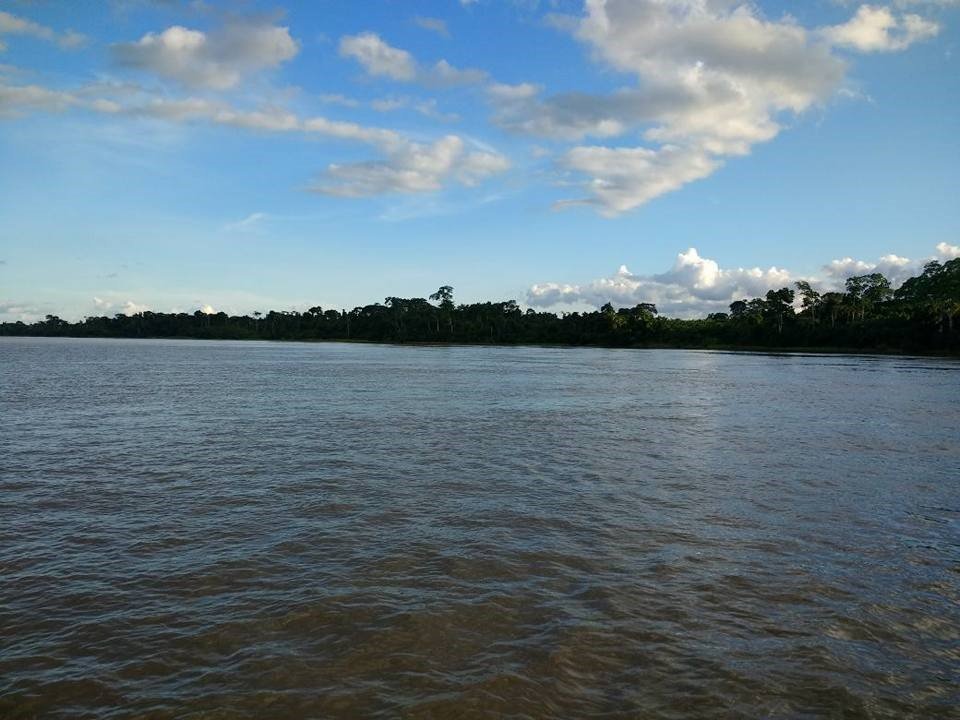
x: 256, y: 530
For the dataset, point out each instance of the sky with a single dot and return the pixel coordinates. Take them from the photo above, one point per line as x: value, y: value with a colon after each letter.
x: 250, y: 155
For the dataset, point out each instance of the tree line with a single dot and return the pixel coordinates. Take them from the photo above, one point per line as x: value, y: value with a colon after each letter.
x: 921, y: 315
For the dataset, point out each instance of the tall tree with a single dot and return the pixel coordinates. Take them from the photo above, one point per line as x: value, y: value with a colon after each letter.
x: 811, y: 299
x: 779, y: 306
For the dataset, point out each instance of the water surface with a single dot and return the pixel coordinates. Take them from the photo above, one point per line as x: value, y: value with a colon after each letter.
x: 276, y: 530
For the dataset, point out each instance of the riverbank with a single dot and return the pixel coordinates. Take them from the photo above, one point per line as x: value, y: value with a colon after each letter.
x: 761, y: 349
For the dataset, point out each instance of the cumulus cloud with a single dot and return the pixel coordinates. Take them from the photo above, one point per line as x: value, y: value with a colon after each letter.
x: 696, y: 286
x: 217, y: 60
x: 411, y: 168
x: 379, y: 59
x: 894, y: 267
x: 14, y: 25
x: 878, y: 29
x: 127, y: 307
x: 693, y: 286
x: 626, y: 177
x: 948, y: 252
x: 712, y: 76
x: 712, y: 79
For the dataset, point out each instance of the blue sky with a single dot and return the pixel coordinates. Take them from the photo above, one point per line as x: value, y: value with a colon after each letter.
x: 264, y: 155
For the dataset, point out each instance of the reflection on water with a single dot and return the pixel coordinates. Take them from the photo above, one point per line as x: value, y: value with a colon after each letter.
x: 193, y: 529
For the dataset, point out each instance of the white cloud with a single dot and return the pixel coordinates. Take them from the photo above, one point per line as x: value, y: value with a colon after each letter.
x: 433, y: 25
x: 18, y: 99
x: 132, y: 308
x: 427, y: 108
x: 72, y: 39
x: 127, y: 307
x: 696, y: 286
x: 571, y: 116
x: 13, y: 25
x: 895, y: 268
x: 877, y: 29
x: 379, y: 59
x: 411, y: 168
x: 713, y: 78
x: 693, y: 286
x: 626, y: 177
x: 12, y: 311
x: 406, y: 166
x: 948, y: 252
x: 443, y: 74
x: 265, y: 119
x: 218, y: 60
x: 387, y: 139
x: 521, y: 91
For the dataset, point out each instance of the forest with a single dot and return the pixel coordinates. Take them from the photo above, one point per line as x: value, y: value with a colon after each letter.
x: 919, y: 316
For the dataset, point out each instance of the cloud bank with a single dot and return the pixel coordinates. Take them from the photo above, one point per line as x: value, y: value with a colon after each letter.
x: 712, y: 79
x: 696, y: 286
x: 217, y: 60
x: 703, y: 81
x: 406, y: 166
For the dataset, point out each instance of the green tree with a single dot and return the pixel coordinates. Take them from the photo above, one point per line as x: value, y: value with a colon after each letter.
x: 779, y: 306
x: 444, y: 295
x: 811, y: 299
x: 865, y: 292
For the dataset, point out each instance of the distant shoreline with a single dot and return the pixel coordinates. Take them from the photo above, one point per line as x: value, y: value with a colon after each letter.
x: 921, y: 317
x: 751, y: 349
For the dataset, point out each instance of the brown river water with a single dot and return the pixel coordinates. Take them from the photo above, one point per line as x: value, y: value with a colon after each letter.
x: 280, y: 530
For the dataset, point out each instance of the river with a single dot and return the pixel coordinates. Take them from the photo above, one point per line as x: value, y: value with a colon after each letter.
x: 287, y: 530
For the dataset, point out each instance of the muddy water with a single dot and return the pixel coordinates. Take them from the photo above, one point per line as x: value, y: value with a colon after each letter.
x: 273, y: 530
